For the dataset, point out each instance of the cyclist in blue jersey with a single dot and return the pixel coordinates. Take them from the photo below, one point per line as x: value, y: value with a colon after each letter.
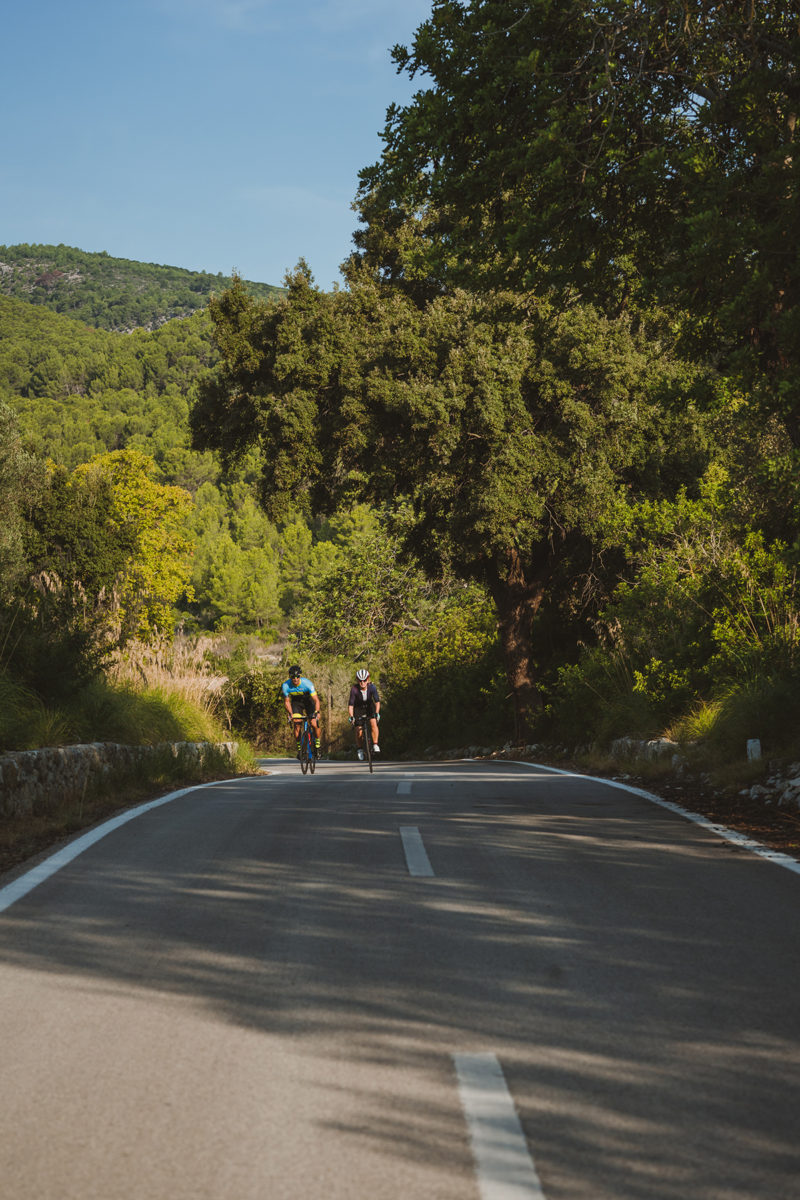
x: 300, y: 699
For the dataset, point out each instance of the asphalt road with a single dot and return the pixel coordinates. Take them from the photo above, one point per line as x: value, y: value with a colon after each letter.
x: 450, y: 981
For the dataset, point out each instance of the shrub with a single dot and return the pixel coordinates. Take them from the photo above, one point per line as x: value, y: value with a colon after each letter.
x: 18, y: 709
x: 767, y: 708
x: 597, y: 699
x: 255, y: 708
x: 444, y: 684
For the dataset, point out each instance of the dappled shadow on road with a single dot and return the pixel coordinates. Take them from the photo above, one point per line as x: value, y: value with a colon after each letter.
x: 622, y: 973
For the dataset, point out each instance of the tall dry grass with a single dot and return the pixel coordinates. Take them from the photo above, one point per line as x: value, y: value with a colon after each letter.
x: 149, y: 695
x: 184, y: 665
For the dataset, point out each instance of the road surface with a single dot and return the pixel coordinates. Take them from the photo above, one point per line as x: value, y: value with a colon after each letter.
x: 456, y: 981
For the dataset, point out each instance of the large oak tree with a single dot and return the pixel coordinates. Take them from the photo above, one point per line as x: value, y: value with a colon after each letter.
x: 623, y: 150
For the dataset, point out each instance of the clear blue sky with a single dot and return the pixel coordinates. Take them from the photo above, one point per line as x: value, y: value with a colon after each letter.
x: 216, y: 135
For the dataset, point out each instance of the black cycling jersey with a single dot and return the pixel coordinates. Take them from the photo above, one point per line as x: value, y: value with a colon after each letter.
x: 363, y: 700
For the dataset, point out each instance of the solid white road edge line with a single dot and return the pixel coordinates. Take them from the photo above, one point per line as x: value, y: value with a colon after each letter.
x: 26, y: 883
x: 416, y: 858
x: 730, y: 835
x: 503, y: 1165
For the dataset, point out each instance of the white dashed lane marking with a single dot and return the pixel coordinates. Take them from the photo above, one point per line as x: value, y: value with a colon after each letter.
x: 503, y: 1165
x: 416, y: 856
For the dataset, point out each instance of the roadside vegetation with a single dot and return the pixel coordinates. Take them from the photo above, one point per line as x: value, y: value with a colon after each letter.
x: 535, y: 465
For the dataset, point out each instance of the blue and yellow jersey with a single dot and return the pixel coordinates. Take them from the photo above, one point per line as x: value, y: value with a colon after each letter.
x: 303, y: 689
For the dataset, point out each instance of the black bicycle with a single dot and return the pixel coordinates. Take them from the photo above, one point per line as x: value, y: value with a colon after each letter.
x: 307, y: 752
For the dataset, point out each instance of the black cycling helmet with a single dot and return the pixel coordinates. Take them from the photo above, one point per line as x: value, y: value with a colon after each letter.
x: 362, y: 674
x: 295, y: 672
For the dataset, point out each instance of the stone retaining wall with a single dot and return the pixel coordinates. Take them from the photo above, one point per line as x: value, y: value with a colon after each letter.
x: 31, y: 780
x: 627, y: 747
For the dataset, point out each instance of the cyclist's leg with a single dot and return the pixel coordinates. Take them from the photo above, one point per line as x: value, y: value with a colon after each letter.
x: 373, y: 726
x: 358, y: 715
x: 313, y: 722
x: 298, y: 712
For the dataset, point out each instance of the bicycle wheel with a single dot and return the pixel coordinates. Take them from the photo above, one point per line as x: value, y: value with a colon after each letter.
x: 304, y: 751
x: 312, y: 755
x: 368, y: 744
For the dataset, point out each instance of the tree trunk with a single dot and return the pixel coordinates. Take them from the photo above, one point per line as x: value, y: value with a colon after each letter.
x: 517, y: 601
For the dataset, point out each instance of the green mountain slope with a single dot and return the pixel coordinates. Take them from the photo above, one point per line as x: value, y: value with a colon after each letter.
x: 80, y: 391
x: 109, y: 293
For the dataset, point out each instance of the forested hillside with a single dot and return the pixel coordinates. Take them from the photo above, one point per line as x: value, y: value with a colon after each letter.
x: 79, y: 391
x: 109, y: 293
x: 80, y: 394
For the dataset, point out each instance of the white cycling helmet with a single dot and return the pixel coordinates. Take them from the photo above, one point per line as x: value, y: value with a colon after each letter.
x: 362, y: 674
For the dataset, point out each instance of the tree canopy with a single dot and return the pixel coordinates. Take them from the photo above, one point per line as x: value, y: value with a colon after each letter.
x: 110, y: 547
x: 628, y: 153
x: 518, y: 436
x: 20, y: 481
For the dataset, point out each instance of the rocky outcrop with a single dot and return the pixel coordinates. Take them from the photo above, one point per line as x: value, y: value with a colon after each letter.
x: 781, y: 787
x: 35, y: 780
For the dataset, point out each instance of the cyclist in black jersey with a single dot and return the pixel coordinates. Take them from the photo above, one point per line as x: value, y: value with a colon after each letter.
x: 365, y: 701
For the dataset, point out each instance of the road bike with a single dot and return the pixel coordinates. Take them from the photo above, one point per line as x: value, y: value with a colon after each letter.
x: 366, y: 741
x: 306, y: 750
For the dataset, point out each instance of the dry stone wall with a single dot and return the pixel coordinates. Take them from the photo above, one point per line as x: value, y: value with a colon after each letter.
x: 34, y: 780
